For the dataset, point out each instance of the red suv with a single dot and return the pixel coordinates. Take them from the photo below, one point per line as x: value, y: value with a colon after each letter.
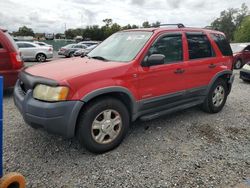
x: 10, y: 59
x: 141, y: 73
x: 241, y: 52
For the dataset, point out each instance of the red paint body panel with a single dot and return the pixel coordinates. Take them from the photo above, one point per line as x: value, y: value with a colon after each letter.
x: 10, y: 65
x: 85, y: 75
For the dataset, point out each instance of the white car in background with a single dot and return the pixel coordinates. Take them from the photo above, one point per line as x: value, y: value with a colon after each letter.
x: 32, y: 51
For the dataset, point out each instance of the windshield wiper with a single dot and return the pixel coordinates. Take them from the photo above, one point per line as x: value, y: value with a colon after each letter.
x: 99, y: 58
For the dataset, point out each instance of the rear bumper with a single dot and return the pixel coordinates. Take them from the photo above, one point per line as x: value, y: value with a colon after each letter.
x: 49, y: 55
x: 57, y: 117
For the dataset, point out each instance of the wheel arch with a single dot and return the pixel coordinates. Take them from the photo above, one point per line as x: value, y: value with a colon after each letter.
x: 226, y: 75
x: 40, y: 52
x: 117, y: 92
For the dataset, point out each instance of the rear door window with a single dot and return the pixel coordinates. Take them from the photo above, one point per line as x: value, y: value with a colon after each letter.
x: 27, y: 45
x: 21, y: 45
x: 222, y: 44
x: 199, y: 46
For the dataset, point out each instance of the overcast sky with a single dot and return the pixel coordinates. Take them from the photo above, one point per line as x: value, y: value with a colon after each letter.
x: 52, y: 15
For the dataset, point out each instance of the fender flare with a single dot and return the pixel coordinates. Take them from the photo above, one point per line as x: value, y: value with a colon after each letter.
x: 222, y: 73
x: 112, y: 89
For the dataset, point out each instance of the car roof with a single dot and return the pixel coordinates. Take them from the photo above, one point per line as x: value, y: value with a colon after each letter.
x: 182, y: 29
x: 25, y: 42
x: 3, y: 30
x: 18, y: 42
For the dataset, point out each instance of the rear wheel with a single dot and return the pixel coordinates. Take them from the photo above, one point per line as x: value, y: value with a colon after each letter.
x: 103, y: 125
x: 41, y: 57
x: 216, y: 97
x: 238, y: 64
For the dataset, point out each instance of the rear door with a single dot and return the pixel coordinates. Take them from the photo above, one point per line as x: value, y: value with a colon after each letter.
x: 202, y: 61
x: 28, y: 50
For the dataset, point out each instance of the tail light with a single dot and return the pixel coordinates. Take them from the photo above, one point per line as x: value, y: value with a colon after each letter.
x: 50, y: 49
x: 16, y: 60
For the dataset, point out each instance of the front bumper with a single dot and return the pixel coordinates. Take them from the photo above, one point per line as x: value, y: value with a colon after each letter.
x: 55, y: 117
x: 245, y: 74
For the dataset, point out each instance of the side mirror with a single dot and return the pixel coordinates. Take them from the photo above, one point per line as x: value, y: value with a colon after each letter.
x: 154, y: 59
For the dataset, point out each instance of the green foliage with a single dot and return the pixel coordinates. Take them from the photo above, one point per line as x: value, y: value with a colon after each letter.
x: 242, y: 34
x: 229, y: 20
x: 146, y: 24
x: 24, y: 31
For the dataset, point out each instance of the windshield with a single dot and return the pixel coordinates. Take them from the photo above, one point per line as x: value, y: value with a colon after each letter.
x: 121, y: 46
x: 91, y: 47
x: 237, y: 47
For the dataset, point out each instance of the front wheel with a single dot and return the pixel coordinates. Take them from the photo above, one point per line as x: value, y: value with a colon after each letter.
x: 238, y: 64
x: 103, y: 125
x: 216, y: 97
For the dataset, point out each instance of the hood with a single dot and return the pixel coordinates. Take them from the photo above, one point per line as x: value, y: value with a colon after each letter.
x: 60, y: 70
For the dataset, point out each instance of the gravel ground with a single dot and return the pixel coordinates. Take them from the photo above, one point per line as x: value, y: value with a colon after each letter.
x: 186, y: 149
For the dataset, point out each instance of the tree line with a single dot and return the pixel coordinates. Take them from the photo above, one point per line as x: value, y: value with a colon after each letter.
x: 234, y: 22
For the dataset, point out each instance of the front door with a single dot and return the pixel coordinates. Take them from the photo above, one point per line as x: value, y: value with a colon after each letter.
x: 163, y: 84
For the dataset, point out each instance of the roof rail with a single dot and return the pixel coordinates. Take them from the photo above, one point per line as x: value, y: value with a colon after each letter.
x: 178, y: 25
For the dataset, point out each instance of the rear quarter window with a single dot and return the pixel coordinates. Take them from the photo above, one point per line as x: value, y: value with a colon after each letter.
x: 11, y: 40
x: 222, y: 44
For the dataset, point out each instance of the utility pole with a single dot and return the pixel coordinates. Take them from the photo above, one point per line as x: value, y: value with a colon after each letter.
x: 65, y: 30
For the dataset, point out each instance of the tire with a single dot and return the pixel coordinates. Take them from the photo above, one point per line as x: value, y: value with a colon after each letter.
x: 216, y: 97
x: 41, y: 57
x: 238, y: 64
x: 71, y: 54
x: 101, y: 120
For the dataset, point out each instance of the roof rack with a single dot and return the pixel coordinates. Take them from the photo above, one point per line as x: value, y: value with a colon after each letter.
x: 178, y: 25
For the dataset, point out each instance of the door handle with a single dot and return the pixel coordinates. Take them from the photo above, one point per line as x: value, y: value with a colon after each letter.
x: 179, y: 71
x: 212, y: 66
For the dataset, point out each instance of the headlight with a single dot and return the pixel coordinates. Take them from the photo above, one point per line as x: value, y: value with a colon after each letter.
x: 49, y: 93
x: 246, y: 67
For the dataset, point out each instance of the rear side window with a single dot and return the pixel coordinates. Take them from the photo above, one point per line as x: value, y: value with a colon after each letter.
x: 21, y: 45
x: 222, y: 44
x: 170, y: 46
x: 199, y: 46
x: 27, y: 45
x: 1, y: 46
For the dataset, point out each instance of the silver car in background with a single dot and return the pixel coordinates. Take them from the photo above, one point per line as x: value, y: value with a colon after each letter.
x: 32, y: 51
x: 42, y: 44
